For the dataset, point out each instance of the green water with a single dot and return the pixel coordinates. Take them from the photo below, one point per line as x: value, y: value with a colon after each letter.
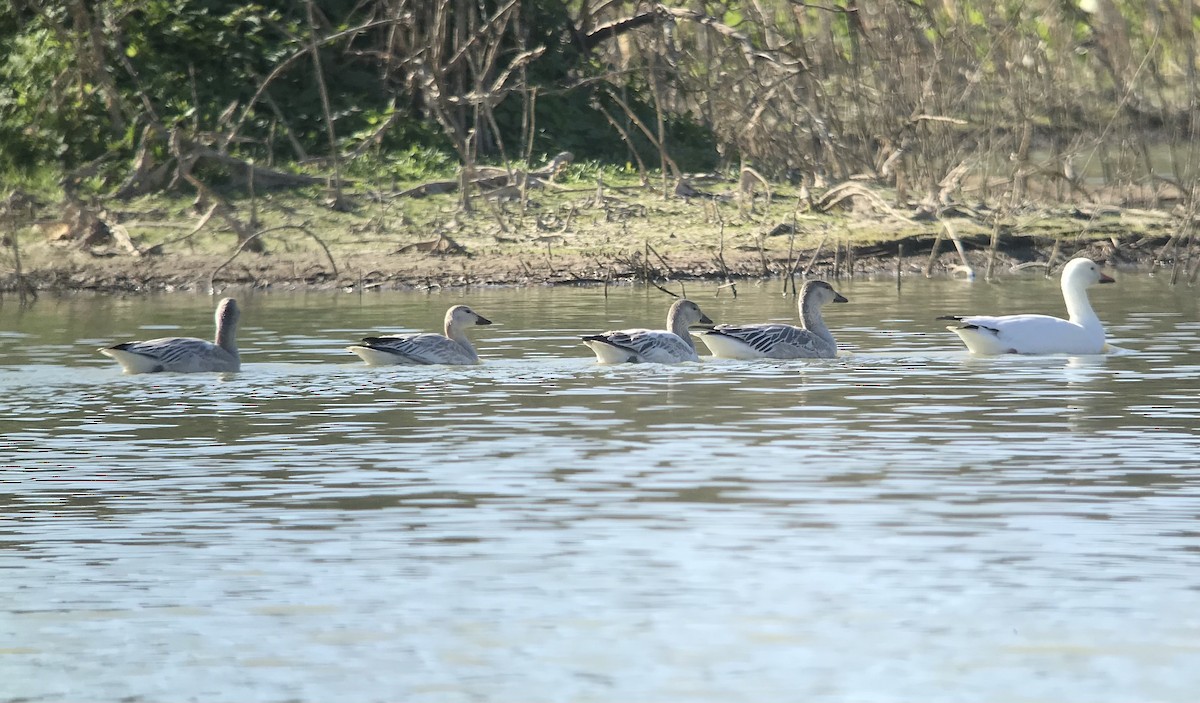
x: 902, y: 523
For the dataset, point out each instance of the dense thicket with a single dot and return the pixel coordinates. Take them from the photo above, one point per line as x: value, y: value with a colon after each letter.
x: 908, y: 91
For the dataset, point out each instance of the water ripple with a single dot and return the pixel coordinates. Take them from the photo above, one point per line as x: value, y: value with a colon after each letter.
x: 904, y: 522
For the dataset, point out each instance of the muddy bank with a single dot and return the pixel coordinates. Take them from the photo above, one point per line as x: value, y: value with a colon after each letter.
x: 569, y: 238
x: 295, y: 271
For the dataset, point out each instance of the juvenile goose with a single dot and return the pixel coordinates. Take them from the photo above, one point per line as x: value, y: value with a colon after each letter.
x: 425, y: 347
x: 811, y: 340
x: 669, y: 346
x: 185, y: 354
x: 1082, y: 333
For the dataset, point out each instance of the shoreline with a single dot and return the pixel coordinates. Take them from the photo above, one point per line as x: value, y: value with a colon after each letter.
x: 562, y: 238
x: 164, y: 274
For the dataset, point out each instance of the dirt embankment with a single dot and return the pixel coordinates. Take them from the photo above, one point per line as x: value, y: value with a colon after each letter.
x: 562, y: 235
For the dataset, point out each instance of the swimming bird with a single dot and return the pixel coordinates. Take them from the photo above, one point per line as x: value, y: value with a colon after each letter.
x: 669, y: 346
x: 425, y: 347
x: 185, y: 354
x: 1082, y: 333
x: 811, y: 340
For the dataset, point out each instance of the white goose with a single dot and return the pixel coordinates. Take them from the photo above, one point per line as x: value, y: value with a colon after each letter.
x: 670, y: 346
x: 811, y: 340
x: 185, y: 354
x: 1082, y: 333
x: 425, y: 347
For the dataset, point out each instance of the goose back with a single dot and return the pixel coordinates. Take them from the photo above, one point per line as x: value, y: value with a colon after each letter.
x: 1081, y: 333
x: 811, y: 340
x: 670, y: 346
x: 424, y: 348
x: 185, y: 354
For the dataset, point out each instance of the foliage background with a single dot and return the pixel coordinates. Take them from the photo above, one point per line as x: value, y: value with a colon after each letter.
x: 907, y: 92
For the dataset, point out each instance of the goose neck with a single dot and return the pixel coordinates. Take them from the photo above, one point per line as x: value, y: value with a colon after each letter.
x: 1079, y: 308
x: 227, y: 332
x: 811, y: 320
x: 459, y: 335
x: 678, y: 324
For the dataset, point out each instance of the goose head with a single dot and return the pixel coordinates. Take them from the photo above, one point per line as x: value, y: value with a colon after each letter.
x: 689, y: 313
x: 819, y: 293
x: 228, y: 311
x: 1082, y: 273
x: 227, y: 316
x: 461, y: 316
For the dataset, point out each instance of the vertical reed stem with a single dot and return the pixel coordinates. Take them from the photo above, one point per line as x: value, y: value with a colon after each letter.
x: 1053, y: 256
x: 933, y: 253
x: 995, y: 246
x: 837, y: 256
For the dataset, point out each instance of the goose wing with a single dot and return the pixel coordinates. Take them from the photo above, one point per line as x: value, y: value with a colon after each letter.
x: 422, y: 348
x: 653, y: 346
x: 776, y: 341
x: 184, y: 354
x: 1026, y: 334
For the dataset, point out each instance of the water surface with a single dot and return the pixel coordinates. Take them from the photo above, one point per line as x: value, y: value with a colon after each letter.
x: 902, y: 523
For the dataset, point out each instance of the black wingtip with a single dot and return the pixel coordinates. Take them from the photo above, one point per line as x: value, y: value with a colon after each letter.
x: 633, y: 355
x: 948, y: 317
x: 992, y: 330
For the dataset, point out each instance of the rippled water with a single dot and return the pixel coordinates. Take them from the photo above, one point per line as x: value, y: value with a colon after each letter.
x: 903, y: 523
